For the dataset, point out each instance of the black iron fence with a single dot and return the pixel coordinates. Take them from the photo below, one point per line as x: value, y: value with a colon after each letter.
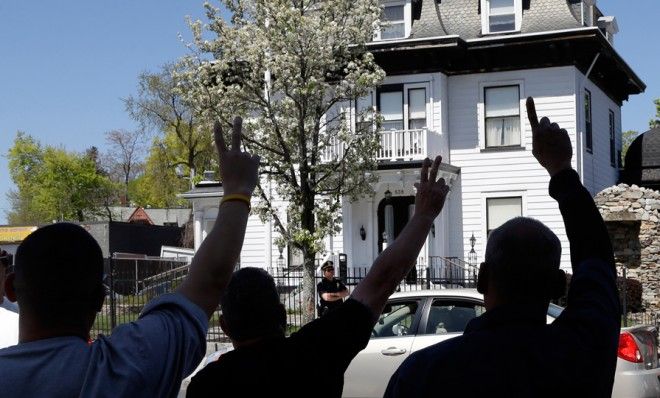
x: 133, y: 282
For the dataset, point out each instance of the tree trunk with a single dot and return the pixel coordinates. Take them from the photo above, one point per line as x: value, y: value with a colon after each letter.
x: 309, y: 286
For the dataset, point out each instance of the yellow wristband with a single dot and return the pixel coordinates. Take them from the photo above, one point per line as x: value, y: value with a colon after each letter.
x: 237, y: 197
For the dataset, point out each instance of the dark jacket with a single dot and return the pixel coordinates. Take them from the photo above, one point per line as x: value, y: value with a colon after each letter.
x: 510, y: 351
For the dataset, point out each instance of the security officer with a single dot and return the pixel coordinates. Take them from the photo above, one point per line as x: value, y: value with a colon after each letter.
x: 331, y: 290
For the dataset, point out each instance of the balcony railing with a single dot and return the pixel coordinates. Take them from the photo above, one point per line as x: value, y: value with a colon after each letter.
x: 394, y: 145
x: 403, y: 144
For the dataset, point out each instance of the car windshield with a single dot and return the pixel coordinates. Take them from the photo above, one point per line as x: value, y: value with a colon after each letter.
x: 554, y: 310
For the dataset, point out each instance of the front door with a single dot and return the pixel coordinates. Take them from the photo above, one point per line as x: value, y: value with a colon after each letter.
x: 393, y: 215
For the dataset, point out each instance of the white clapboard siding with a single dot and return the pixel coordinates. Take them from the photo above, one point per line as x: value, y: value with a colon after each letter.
x: 254, y: 248
x: 598, y: 173
x: 516, y: 172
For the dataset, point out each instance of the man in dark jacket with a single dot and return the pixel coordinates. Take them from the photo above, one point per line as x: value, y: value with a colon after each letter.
x: 312, y: 361
x: 509, y: 350
x: 331, y: 290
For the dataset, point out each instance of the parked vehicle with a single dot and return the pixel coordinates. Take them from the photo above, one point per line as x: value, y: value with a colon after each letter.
x: 637, y: 371
x: 412, y: 321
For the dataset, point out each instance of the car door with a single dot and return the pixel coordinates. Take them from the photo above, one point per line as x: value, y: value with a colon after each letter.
x: 390, y: 344
x: 446, y: 318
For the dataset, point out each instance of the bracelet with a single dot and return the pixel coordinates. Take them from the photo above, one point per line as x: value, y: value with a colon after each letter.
x: 237, y: 197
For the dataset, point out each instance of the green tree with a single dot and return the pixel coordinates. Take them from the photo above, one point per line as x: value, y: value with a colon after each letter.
x: 159, y: 185
x: 627, y: 138
x: 655, y: 123
x: 159, y: 106
x: 123, y: 160
x: 293, y: 68
x: 54, y: 184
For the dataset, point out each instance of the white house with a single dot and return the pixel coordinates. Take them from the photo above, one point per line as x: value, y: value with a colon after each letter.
x: 458, y: 75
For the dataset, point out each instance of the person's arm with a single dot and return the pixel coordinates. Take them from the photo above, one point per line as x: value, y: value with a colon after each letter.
x: 216, y: 258
x: 393, y: 264
x: 334, y: 296
x: 585, y: 228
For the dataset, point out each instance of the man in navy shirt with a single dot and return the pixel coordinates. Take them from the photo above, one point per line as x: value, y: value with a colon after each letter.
x: 58, y: 284
x: 509, y: 350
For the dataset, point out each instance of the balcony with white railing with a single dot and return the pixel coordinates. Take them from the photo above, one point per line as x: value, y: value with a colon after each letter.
x: 404, y: 144
x: 395, y: 145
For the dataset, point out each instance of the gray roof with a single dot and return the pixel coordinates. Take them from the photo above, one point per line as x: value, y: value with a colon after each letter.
x: 162, y: 216
x: 463, y: 18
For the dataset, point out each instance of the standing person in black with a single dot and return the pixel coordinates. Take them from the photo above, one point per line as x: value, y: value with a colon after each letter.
x: 331, y: 290
x: 509, y: 350
x: 311, y: 362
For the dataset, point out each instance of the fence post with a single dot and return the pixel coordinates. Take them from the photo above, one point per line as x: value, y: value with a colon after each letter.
x: 625, y: 298
x: 113, y: 303
x: 428, y: 278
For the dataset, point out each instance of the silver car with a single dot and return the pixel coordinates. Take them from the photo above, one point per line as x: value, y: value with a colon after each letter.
x: 637, y: 371
x: 415, y: 320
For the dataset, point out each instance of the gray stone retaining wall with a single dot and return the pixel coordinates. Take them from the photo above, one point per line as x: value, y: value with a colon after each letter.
x: 632, y: 215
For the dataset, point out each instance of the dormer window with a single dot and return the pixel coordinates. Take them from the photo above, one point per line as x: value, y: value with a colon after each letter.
x: 499, y: 16
x: 395, y: 22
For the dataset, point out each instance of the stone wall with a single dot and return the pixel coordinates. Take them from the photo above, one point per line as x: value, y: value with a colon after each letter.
x: 632, y: 215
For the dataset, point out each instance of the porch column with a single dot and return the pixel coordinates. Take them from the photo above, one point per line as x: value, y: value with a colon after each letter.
x: 197, y: 221
x: 372, y: 231
x: 347, y: 230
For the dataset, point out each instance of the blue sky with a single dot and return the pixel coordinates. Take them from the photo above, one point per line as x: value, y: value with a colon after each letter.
x: 65, y: 65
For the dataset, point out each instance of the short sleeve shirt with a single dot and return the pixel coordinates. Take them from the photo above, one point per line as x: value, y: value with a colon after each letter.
x: 309, y: 363
x: 145, y: 358
x: 330, y: 286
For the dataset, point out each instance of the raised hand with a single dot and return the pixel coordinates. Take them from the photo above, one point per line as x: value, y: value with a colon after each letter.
x: 237, y: 168
x: 431, y: 194
x: 551, y: 145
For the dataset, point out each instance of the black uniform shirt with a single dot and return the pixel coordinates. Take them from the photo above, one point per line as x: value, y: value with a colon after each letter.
x: 330, y: 286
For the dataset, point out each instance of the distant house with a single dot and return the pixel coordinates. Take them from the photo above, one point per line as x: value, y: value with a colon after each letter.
x: 150, y: 216
x: 458, y: 73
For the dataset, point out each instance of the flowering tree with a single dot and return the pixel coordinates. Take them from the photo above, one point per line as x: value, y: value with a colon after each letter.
x: 295, y: 70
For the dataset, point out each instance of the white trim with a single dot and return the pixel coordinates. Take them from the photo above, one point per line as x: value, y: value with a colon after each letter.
x: 533, y: 34
x: 485, y: 17
x: 481, y: 108
x: 588, y: 12
x: 407, y: 19
x: 393, y: 41
x: 495, y: 195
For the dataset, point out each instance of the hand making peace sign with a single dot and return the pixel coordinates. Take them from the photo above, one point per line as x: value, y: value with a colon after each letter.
x: 239, y: 170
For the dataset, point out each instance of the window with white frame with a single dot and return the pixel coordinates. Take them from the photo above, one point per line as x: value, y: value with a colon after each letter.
x: 391, y: 108
x: 501, y: 16
x: 502, y: 116
x: 403, y: 106
x: 501, y: 210
x: 416, y: 108
x: 393, y: 23
x: 364, y: 113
